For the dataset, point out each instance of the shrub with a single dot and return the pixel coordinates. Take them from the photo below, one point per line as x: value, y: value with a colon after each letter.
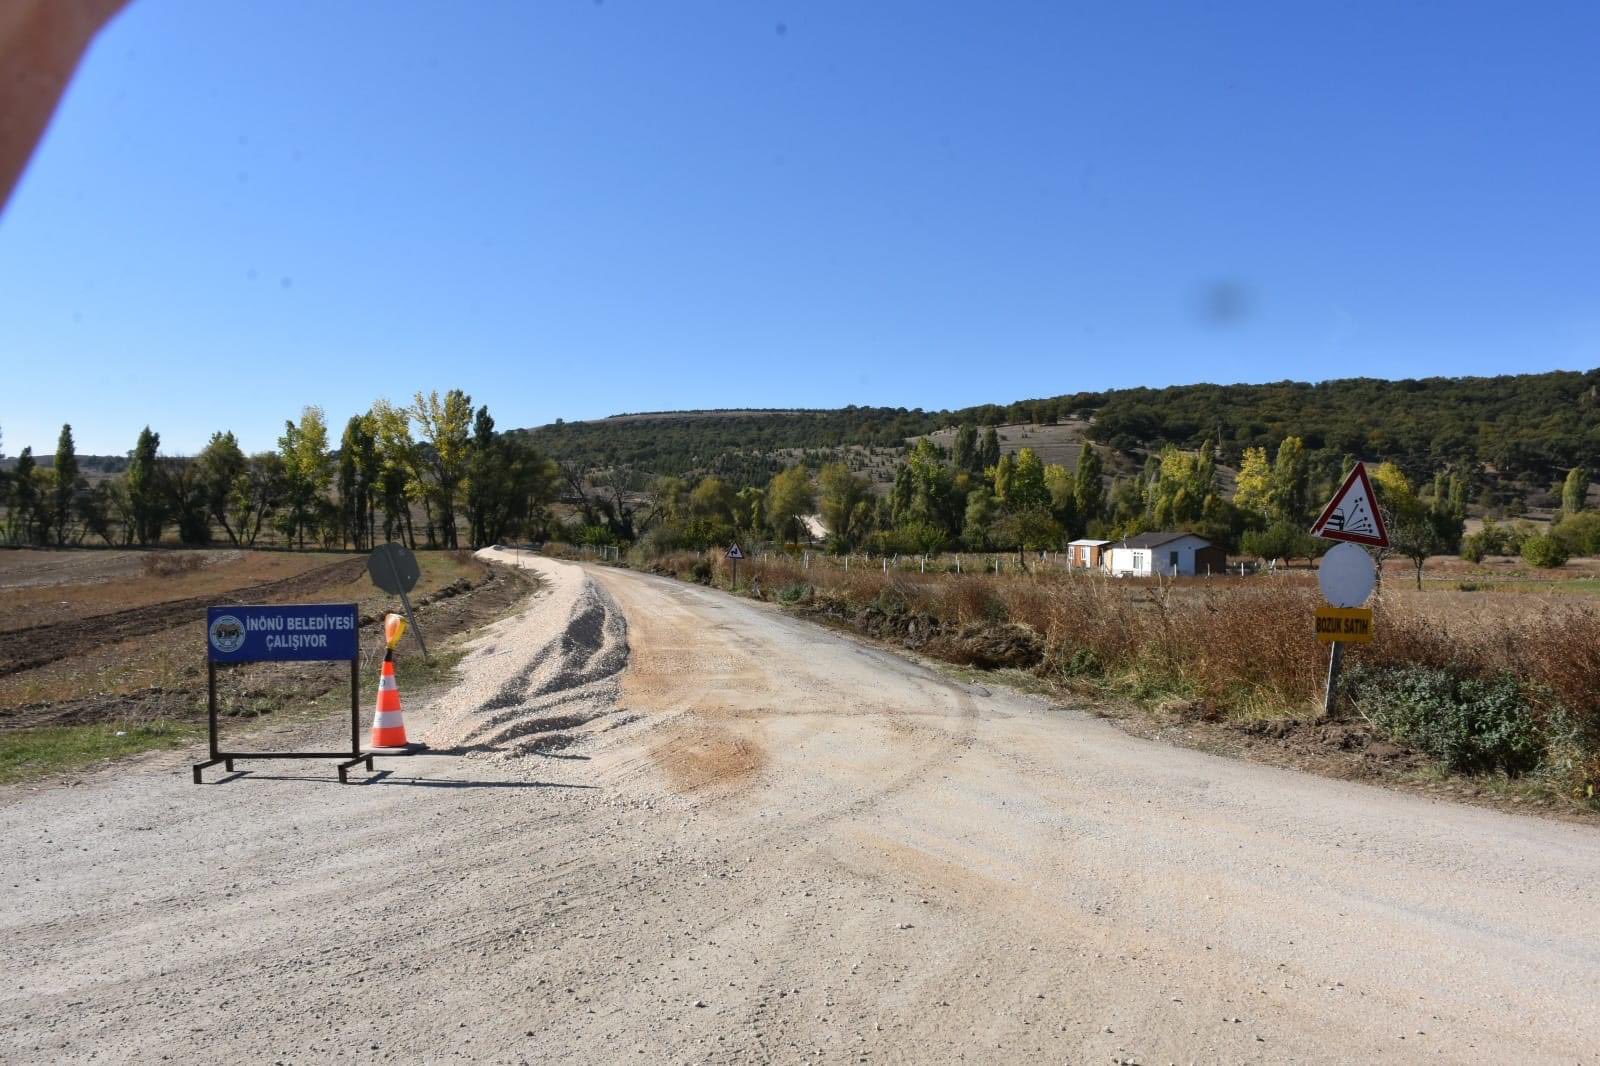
x: 1472, y: 548
x: 795, y: 592
x: 1579, y: 533
x: 700, y: 571
x: 1471, y: 726
x: 1543, y: 551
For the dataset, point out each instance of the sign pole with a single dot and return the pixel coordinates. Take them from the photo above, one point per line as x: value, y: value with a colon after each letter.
x: 405, y: 601
x: 355, y: 707
x: 1335, y: 658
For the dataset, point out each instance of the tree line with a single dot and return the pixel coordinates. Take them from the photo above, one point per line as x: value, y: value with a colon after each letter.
x: 1510, y: 439
x: 438, y: 455
x: 971, y: 497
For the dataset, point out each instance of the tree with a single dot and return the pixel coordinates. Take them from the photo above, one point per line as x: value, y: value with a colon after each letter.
x: 306, y: 472
x: 1089, y: 486
x: 445, y: 429
x: 924, y: 490
x: 979, y: 517
x: 1416, y: 530
x: 1579, y: 532
x: 508, y: 486
x: 45, y: 518
x: 845, y: 501
x: 751, y: 514
x: 219, y: 465
x: 358, y: 474
x: 1282, y: 541
x: 68, y: 482
x: 20, y: 516
x: 1062, y: 487
x: 1025, y: 489
x: 1183, y: 487
x: 183, y: 485
x: 94, y: 508
x: 1575, y: 490
x: 790, y: 494
x: 399, y: 478
x: 145, y: 497
x: 1291, y: 482
x: 964, y: 454
x: 256, y: 494
x: 902, y: 493
x: 1252, y: 493
x: 1543, y: 551
x: 989, y: 450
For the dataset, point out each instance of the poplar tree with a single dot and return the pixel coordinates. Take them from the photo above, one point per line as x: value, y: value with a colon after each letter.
x: 1088, y: 487
x: 145, y: 498
x: 67, y: 482
x: 965, y: 452
x: 221, y: 463
x: 989, y: 450
x: 446, y: 430
x: 1575, y: 490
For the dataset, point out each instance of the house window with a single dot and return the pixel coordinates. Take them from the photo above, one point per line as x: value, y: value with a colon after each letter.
x: 1174, y: 559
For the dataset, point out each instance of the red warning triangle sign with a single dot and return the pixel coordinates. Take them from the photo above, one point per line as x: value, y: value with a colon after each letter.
x: 1353, y: 513
x: 735, y: 553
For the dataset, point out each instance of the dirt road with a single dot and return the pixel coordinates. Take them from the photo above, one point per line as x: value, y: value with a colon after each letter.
x: 760, y: 841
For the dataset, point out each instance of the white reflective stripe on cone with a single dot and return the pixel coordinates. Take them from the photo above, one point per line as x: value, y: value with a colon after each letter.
x: 387, y: 720
x: 386, y: 683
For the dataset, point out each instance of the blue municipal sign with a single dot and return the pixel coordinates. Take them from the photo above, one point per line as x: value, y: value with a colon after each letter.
x: 290, y: 631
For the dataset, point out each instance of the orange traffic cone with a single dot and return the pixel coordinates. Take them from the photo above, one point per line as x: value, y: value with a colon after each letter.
x: 388, y: 727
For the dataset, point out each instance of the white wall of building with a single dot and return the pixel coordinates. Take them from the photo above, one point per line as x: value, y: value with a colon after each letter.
x: 1173, y: 557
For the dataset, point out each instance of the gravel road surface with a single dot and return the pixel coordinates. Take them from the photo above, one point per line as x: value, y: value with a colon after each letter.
x: 672, y: 826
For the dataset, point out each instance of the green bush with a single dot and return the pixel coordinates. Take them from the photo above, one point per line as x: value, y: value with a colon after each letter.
x: 794, y: 593
x: 1579, y: 533
x: 1543, y: 551
x: 700, y: 571
x: 1473, y: 548
x: 1472, y: 726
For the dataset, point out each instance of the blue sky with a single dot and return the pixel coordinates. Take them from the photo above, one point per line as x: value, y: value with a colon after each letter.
x: 571, y: 209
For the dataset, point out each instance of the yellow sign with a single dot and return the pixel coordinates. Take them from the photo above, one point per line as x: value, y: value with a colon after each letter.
x: 1351, y: 625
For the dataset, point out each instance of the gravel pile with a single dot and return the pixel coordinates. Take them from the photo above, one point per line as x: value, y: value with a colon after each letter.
x: 535, y: 682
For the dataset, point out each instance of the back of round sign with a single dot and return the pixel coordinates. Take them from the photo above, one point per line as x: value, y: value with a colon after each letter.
x: 1347, y: 575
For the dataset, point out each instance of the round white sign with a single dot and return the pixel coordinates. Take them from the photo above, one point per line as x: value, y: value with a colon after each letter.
x: 1346, y: 575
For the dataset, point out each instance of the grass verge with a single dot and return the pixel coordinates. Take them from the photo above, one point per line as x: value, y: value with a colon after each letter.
x: 26, y: 754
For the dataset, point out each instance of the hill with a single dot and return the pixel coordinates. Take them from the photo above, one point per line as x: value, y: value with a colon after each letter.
x: 1514, y: 435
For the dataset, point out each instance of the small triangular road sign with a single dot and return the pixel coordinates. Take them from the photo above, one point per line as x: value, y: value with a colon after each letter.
x: 1353, y: 514
x: 735, y: 553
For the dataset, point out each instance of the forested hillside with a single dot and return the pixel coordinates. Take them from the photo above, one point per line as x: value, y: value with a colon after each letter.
x: 1511, y: 435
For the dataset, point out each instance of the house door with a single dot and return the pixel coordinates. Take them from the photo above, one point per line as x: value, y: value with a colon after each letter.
x: 1173, y: 560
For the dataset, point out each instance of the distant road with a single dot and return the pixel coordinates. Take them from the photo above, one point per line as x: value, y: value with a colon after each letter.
x: 763, y: 841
